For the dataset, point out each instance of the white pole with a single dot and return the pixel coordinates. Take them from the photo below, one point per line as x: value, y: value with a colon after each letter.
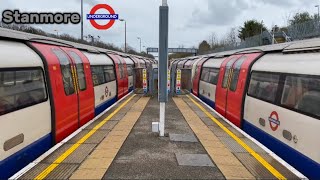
x: 162, y: 117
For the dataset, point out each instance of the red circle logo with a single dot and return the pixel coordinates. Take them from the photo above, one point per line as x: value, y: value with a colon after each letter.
x: 274, y: 121
x: 95, y: 9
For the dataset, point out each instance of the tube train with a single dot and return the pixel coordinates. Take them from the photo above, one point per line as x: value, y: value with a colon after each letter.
x: 271, y: 92
x: 49, y: 88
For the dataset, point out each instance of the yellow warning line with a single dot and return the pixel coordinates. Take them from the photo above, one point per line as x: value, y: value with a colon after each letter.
x: 268, y: 166
x: 62, y: 157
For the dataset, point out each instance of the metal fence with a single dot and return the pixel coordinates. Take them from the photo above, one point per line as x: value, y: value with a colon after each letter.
x: 306, y: 30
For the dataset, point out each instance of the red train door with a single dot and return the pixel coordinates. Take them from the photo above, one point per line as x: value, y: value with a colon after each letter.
x: 238, y: 80
x: 223, y: 82
x: 120, y: 75
x: 125, y: 75
x: 64, y: 90
x: 196, y: 78
x: 84, y: 84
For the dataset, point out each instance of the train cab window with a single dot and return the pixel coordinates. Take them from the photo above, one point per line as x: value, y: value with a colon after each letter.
x: 130, y: 70
x: 205, y: 74
x: 109, y: 73
x: 65, y: 71
x: 302, y: 93
x: 21, y: 88
x: 98, y: 76
x: 80, y: 71
x: 236, y: 73
x: 213, y: 76
x: 227, y: 73
x: 264, y: 86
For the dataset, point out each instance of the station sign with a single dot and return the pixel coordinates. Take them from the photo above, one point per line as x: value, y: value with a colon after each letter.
x: 178, y: 82
x: 144, y: 81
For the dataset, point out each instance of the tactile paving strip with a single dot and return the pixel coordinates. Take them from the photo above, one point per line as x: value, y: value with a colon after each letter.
x: 232, y: 168
x: 76, y: 157
x: 98, y: 162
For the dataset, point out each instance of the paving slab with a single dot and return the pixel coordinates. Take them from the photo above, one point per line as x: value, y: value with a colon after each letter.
x: 182, y: 137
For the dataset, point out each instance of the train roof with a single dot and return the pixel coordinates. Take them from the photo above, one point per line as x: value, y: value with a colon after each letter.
x: 23, y: 36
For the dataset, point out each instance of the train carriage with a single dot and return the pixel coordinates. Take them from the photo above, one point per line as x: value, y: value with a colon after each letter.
x: 130, y: 66
x: 23, y: 93
x: 282, y: 108
x: 104, y: 81
x: 209, y: 79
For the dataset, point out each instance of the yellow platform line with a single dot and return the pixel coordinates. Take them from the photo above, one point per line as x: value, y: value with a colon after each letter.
x: 62, y: 157
x: 260, y: 159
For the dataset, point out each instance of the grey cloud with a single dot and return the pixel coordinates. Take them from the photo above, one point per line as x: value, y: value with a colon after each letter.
x: 219, y: 12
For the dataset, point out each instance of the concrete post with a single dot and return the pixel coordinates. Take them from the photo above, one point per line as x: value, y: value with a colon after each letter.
x: 163, y: 62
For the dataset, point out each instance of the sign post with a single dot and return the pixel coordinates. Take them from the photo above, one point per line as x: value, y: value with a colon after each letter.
x: 163, y: 62
x: 145, y: 83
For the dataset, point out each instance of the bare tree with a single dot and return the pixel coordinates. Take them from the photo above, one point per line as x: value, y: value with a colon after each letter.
x: 213, y: 40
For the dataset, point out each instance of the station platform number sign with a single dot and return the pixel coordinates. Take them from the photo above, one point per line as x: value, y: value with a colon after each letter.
x: 178, y: 83
x: 144, y: 81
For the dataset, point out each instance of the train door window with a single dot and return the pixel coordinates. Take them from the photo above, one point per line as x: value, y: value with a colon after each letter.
x: 213, y: 76
x: 65, y: 71
x: 264, y: 86
x: 227, y: 73
x: 236, y: 73
x: 109, y: 73
x: 80, y: 71
x: 97, y: 75
x: 21, y: 88
x: 302, y: 93
x: 130, y: 70
x: 205, y: 75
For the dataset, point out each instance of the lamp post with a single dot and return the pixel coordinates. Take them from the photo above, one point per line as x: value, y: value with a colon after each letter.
x: 82, y: 20
x: 140, y: 42
x: 317, y: 6
x: 261, y: 33
x: 56, y: 31
x: 125, y: 34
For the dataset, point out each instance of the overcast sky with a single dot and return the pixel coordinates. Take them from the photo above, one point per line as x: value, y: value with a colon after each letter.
x: 191, y: 21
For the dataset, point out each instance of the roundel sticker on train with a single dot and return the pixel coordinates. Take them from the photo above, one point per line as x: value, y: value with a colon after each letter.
x: 274, y: 121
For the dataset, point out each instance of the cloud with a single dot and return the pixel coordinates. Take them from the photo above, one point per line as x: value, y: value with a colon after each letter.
x: 219, y: 12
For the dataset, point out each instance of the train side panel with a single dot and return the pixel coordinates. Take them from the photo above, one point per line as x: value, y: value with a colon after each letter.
x: 208, y: 80
x: 282, y: 108
x: 25, y: 113
x: 104, y: 81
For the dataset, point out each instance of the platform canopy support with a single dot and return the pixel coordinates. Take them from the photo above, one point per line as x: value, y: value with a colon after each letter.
x: 163, y: 62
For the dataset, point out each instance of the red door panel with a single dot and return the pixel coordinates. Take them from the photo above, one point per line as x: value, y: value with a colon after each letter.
x: 125, y: 75
x: 84, y: 85
x: 223, y: 82
x: 63, y: 90
x: 237, y: 87
x: 196, y: 78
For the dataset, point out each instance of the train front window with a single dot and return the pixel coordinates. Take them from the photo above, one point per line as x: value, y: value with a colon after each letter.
x: 80, y: 71
x: 302, y: 93
x: 65, y: 71
x: 20, y: 89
